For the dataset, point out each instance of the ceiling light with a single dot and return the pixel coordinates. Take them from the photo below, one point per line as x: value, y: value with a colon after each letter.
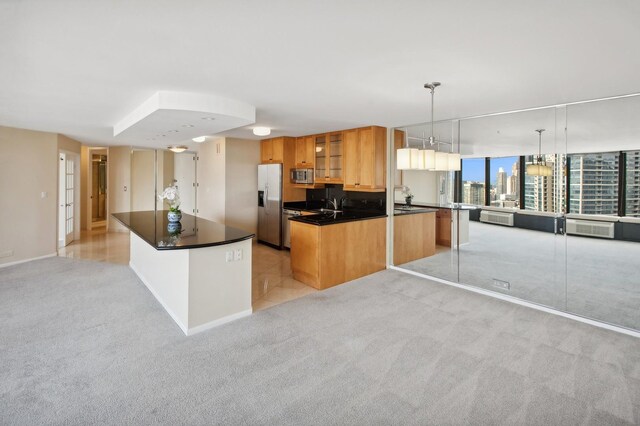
x: 407, y: 158
x: 454, y: 162
x: 442, y: 162
x: 208, y: 118
x: 188, y: 125
x: 172, y: 131
x: 261, y: 131
x: 539, y: 166
x: 178, y: 148
x: 199, y: 139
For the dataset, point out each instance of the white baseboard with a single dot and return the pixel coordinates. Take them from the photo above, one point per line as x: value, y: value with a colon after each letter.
x: 517, y: 301
x: 182, y: 326
x: 17, y: 262
x: 219, y: 321
x: 194, y: 330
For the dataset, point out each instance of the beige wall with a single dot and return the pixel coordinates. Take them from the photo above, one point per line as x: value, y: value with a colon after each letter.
x: 143, y: 179
x: 28, y: 168
x: 211, y: 180
x: 118, y: 189
x: 241, y: 183
x: 68, y: 144
x: 165, y: 175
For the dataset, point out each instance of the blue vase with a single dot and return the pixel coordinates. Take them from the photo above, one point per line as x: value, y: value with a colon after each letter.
x: 174, y: 228
x: 174, y: 216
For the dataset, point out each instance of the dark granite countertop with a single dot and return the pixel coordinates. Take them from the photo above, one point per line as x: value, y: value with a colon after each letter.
x: 331, y: 218
x: 402, y: 210
x: 450, y: 206
x: 194, y: 232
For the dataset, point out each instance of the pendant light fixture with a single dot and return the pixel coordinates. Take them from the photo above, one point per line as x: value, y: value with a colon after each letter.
x: 539, y: 166
x: 432, y: 159
x: 407, y: 158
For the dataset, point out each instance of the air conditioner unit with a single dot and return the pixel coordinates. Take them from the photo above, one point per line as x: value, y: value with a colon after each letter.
x: 590, y: 228
x: 499, y: 218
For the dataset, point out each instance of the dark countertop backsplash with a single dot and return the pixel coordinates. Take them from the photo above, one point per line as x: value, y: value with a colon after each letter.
x: 319, y: 198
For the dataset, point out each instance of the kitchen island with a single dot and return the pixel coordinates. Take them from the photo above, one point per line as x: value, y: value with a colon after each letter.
x: 335, y: 247
x: 199, y: 270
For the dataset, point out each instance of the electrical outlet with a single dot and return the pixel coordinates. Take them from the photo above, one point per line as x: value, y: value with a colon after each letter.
x: 229, y: 256
x: 505, y: 285
x: 238, y: 254
x: 6, y: 253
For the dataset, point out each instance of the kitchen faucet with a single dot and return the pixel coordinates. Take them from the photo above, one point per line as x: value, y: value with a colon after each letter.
x: 333, y: 203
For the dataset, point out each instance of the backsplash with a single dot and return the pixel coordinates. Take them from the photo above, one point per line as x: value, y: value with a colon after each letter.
x: 348, y: 199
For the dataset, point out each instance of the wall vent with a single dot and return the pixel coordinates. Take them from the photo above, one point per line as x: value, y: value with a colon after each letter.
x: 590, y: 228
x: 499, y: 218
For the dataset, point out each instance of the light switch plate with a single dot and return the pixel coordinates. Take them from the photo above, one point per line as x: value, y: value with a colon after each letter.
x: 229, y: 256
x: 238, y: 254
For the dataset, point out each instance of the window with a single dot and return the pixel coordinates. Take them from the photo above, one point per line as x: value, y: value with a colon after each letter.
x: 545, y: 193
x: 504, y: 181
x: 593, y: 183
x: 632, y: 207
x: 473, y: 181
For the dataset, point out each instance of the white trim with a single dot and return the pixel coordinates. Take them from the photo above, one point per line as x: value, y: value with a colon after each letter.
x: 194, y: 330
x: 3, y: 265
x: 183, y: 327
x: 523, y: 303
x: 219, y: 321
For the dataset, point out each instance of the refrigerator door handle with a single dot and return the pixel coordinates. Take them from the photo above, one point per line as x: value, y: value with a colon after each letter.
x: 266, y: 196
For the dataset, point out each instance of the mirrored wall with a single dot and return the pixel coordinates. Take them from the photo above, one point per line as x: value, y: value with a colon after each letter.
x: 545, y: 208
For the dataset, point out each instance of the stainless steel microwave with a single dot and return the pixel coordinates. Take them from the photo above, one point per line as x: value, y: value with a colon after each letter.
x: 304, y: 176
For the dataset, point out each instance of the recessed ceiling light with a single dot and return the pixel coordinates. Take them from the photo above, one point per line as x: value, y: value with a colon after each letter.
x: 187, y: 125
x: 209, y: 118
x: 199, y: 139
x: 261, y: 131
x: 172, y: 131
x: 178, y: 148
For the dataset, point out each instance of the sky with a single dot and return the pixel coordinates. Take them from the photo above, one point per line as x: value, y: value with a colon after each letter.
x: 473, y: 168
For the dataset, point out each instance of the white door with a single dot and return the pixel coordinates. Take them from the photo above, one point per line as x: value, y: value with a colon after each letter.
x: 69, y: 201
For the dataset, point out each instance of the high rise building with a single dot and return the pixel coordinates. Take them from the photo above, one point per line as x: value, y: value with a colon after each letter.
x: 513, y: 183
x: 501, y: 182
x: 632, y: 205
x: 593, y: 183
x: 545, y: 193
x: 473, y: 193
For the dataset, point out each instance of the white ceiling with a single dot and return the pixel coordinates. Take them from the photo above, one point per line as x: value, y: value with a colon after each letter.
x: 78, y: 67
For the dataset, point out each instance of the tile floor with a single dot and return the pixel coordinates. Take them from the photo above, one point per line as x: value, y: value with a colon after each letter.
x: 272, y: 282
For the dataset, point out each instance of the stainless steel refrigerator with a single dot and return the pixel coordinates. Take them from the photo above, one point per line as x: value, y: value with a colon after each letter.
x: 270, y: 204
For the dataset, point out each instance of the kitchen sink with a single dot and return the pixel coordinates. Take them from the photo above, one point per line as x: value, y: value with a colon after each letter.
x: 326, y: 211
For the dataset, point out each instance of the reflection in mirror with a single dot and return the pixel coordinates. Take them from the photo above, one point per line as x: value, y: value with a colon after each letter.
x: 426, y: 231
x: 98, y: 185
x: 565, y: 235
x: 603, y: 228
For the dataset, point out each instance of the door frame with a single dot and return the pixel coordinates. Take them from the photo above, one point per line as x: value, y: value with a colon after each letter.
x: 87, y: 200
x: 61, y: 237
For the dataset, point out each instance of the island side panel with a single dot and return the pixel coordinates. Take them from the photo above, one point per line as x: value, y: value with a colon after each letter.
x: 219, y: 290
x: 166, y: 275
x: 305, y: 245
x: 365, y: 249
x: 414, y: 237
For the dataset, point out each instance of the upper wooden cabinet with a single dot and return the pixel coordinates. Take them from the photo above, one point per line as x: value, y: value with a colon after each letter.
x: 328, y: 149
x: 365, y: 159
x: 272, y: 150
x: 305, y: 152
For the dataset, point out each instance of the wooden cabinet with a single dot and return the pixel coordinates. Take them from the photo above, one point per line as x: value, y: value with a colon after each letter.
x: 305, y: 152
x: 328, y: 157
x: 325, y: 256
x: 414, y: 237
x: 443, y: 227
x: 365, y: 159
x: 272, y: 150
x: 283, y: 151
